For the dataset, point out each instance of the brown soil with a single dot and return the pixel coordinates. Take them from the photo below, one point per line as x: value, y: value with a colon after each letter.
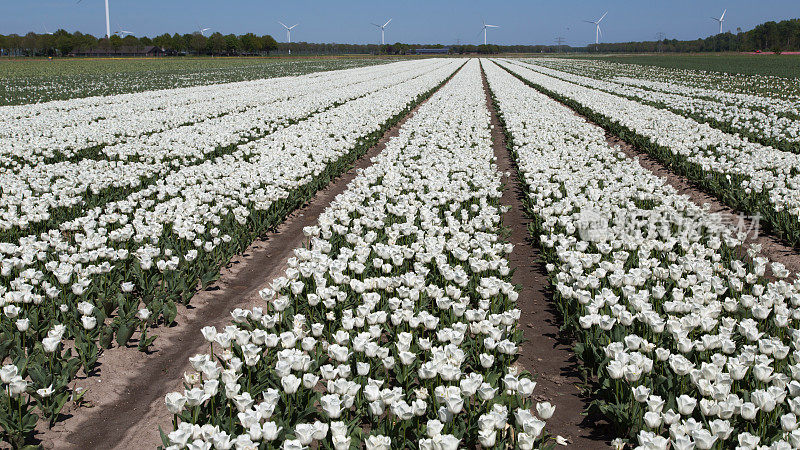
x: 125, y: 398
x: 546, y: 352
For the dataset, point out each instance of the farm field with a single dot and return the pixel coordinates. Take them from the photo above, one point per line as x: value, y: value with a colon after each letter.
x: 730, y: 63
x: 40, y: 80
x: 428, y: 253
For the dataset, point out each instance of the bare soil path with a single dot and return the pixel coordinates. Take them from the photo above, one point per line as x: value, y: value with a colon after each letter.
x: 127, y: 394
x: 545, y: 352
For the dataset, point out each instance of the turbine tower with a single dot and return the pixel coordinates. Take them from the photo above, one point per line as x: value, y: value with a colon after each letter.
x: 289, y: 33
x: 598, y: 32
x: 108, y: 21
x: 382, y: 27
x: 485, y: 26
x: 721, y: 19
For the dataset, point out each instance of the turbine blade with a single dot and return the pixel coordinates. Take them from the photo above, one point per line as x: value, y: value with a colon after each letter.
x: 387, y: 22
x: 376, y: 24
x: 294, y: 26
x: 723, y: 14
x: 284, y: 25
x: 603, y: 16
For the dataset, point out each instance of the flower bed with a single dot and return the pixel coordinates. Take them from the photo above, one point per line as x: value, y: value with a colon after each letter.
x: 691, y: 345
x: 38, y: 196
x: 764, y: 119
x: 744, y: 175
x: 122, y: 267
x: 396, y: 327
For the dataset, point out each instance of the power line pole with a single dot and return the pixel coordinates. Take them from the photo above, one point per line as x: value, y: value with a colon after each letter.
x: 660, y: 38
x: 560, y: 41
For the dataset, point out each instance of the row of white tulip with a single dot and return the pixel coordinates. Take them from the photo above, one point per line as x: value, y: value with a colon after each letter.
x: 771, y: 86
x: 744, y: 174
x: 41, y: 192
x: 396, y: 326
x: 698, y: 84
x: 183, y: 212
x: 694, y: 348
x: 760, y: 118
x: 61, y: 129
x: 66, y: 80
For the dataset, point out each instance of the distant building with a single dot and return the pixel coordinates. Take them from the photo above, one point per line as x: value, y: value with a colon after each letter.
x: 147, y: 51
x: 433, y: 51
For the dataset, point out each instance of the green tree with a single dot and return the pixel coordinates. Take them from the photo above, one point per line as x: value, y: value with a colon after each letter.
x: 115, y: 42
x: 233, y: 46
x: 251, y: 43
x: 197, y: 43
x: 215, y: 44
x: 268, y: 43
x: 64, y: 42
x: 164, y: 41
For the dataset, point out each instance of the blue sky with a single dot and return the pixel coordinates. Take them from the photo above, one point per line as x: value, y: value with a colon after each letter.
x: 415, y: 21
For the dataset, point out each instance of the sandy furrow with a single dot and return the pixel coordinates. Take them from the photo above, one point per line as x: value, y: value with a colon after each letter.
x: 545, y: 352
x: 126, y: 397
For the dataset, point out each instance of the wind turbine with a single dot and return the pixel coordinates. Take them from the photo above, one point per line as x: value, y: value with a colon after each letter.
x: 108, y: 21
x: 485, y: 26
x: 122, y: 33
x: 202, y: 30
x: 45, y: 30
x: 288, y: 33
x: 721, y: 19
x: 382, y: 27
x: 599, y: 32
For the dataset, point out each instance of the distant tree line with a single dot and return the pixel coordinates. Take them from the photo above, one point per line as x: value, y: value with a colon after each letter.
x: 63, y: 43
x: 769, y: 36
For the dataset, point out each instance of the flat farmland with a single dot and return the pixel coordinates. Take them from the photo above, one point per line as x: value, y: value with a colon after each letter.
x: 37, y: 80
x: 440, y: 253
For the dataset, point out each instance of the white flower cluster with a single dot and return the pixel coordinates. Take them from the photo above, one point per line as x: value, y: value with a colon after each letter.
x: 192, y: 198
x: 746, y: 89
x: 35, y: 190
x: 115, y: 77
x: 769, y: 174
x: 764, y: 117
x: 152, y: 247
x: 34, y: 132
x: 395, y: 327
x: 700, y: 349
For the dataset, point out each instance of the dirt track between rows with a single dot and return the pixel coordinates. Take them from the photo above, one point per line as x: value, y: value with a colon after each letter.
x: 546, y: 353
x: 127, y: 393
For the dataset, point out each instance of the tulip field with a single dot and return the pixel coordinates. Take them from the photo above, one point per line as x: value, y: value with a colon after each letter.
x: 41, y: 80
x: 397, y: 324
